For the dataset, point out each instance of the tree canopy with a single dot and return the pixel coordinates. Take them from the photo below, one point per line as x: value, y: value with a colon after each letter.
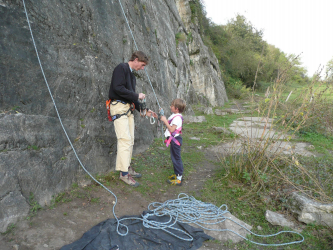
x: 242, y: 53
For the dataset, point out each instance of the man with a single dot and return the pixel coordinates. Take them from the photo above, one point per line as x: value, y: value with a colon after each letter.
x: 122, y: 95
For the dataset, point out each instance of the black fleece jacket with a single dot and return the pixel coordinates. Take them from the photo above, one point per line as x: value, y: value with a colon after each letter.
x: 123, y: 85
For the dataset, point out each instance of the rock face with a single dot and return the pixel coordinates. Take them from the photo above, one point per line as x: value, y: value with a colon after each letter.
x: 79, y: 44
x: 204, y: 66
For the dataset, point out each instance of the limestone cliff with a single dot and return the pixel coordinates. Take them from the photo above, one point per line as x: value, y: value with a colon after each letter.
x: 80, y: 43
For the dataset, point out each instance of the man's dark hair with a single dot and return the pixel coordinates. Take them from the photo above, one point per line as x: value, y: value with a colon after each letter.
x: 141, y: 57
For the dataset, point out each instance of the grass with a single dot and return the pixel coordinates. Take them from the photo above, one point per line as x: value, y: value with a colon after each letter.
x: 34, y: 206
x: 155, y: 166
x: 322, y: 144
x: 33, y: 147
x: 10, y: 229
x: 243, y: 201
x: 180, y: 37
x: 252, y: 210
x: 75, y: 192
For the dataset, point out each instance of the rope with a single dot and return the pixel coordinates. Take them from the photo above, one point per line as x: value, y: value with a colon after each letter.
x: 55, y: 106
x: 184, y: 209
x: 136, y: 46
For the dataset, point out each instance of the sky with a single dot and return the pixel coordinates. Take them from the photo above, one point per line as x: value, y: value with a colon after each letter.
x: 294, y: 26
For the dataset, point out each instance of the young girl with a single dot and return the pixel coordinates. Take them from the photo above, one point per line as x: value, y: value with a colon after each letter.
x: 173, y: 134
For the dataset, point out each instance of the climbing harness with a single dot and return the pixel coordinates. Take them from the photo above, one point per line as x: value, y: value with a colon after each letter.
x: 185, y: 209
x: 177, y: 131
x: 114, y: 117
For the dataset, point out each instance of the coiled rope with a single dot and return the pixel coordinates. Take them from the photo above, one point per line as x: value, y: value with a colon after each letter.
x: 184, y: 209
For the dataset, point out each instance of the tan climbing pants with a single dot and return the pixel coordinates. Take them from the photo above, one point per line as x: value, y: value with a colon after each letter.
x: 124, y: 128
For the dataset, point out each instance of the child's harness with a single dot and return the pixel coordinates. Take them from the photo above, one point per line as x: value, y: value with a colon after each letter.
x: 177, y: 131
x: 114, y: 117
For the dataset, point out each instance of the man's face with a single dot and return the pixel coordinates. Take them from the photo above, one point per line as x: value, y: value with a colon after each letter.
x: 137, y: 65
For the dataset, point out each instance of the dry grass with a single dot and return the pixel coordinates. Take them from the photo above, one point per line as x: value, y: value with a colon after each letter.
x: 260, y: 159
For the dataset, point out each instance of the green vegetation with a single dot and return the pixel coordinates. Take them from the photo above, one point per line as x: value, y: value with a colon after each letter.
x: 251, y: 209
x: 95, y: 200
x: 189, y: 38
x: 34, y: 206
x: 33, y: 147
x: 180, y: 37
x: 75, y: 192
x: 136, y: 7
x: 15, y: 108
x: 253, y: 180
x: 329, y: 70
x: 243, y: 55
x: 10, y: 229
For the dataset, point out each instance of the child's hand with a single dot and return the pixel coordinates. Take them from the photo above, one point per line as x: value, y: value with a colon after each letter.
x: 151, y: 113
x: 164, y: 119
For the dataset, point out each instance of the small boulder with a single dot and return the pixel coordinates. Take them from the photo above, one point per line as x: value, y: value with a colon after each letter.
x: 221, y: 130
x: 191, y: 119
x: 208, y: 111
x: 220, y: 112
x: 229, y: 224
x: 278, y: 219
x: 195, y: 138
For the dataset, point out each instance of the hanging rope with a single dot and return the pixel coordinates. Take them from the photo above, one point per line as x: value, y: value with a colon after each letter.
x: 63, y: 128
x: 136, y: 46
x: 184, y: 209
x: 161, y: 111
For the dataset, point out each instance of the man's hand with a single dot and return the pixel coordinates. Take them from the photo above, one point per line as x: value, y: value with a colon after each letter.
x: 142, y: 96
x: 151, y: 113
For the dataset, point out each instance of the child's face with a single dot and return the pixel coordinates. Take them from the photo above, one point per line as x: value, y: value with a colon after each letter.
x: 173, y: 109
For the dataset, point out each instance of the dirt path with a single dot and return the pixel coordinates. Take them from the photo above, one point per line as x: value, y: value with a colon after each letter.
x: 54, y: 228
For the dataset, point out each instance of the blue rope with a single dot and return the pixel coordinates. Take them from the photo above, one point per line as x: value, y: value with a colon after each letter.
x: 161, y: 111
x: 185, y: 209
x: 136, y: 46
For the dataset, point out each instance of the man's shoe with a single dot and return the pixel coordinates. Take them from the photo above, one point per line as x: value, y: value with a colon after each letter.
x: 128, y: 179
x: 175, y: 182
x: 133, y: 173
